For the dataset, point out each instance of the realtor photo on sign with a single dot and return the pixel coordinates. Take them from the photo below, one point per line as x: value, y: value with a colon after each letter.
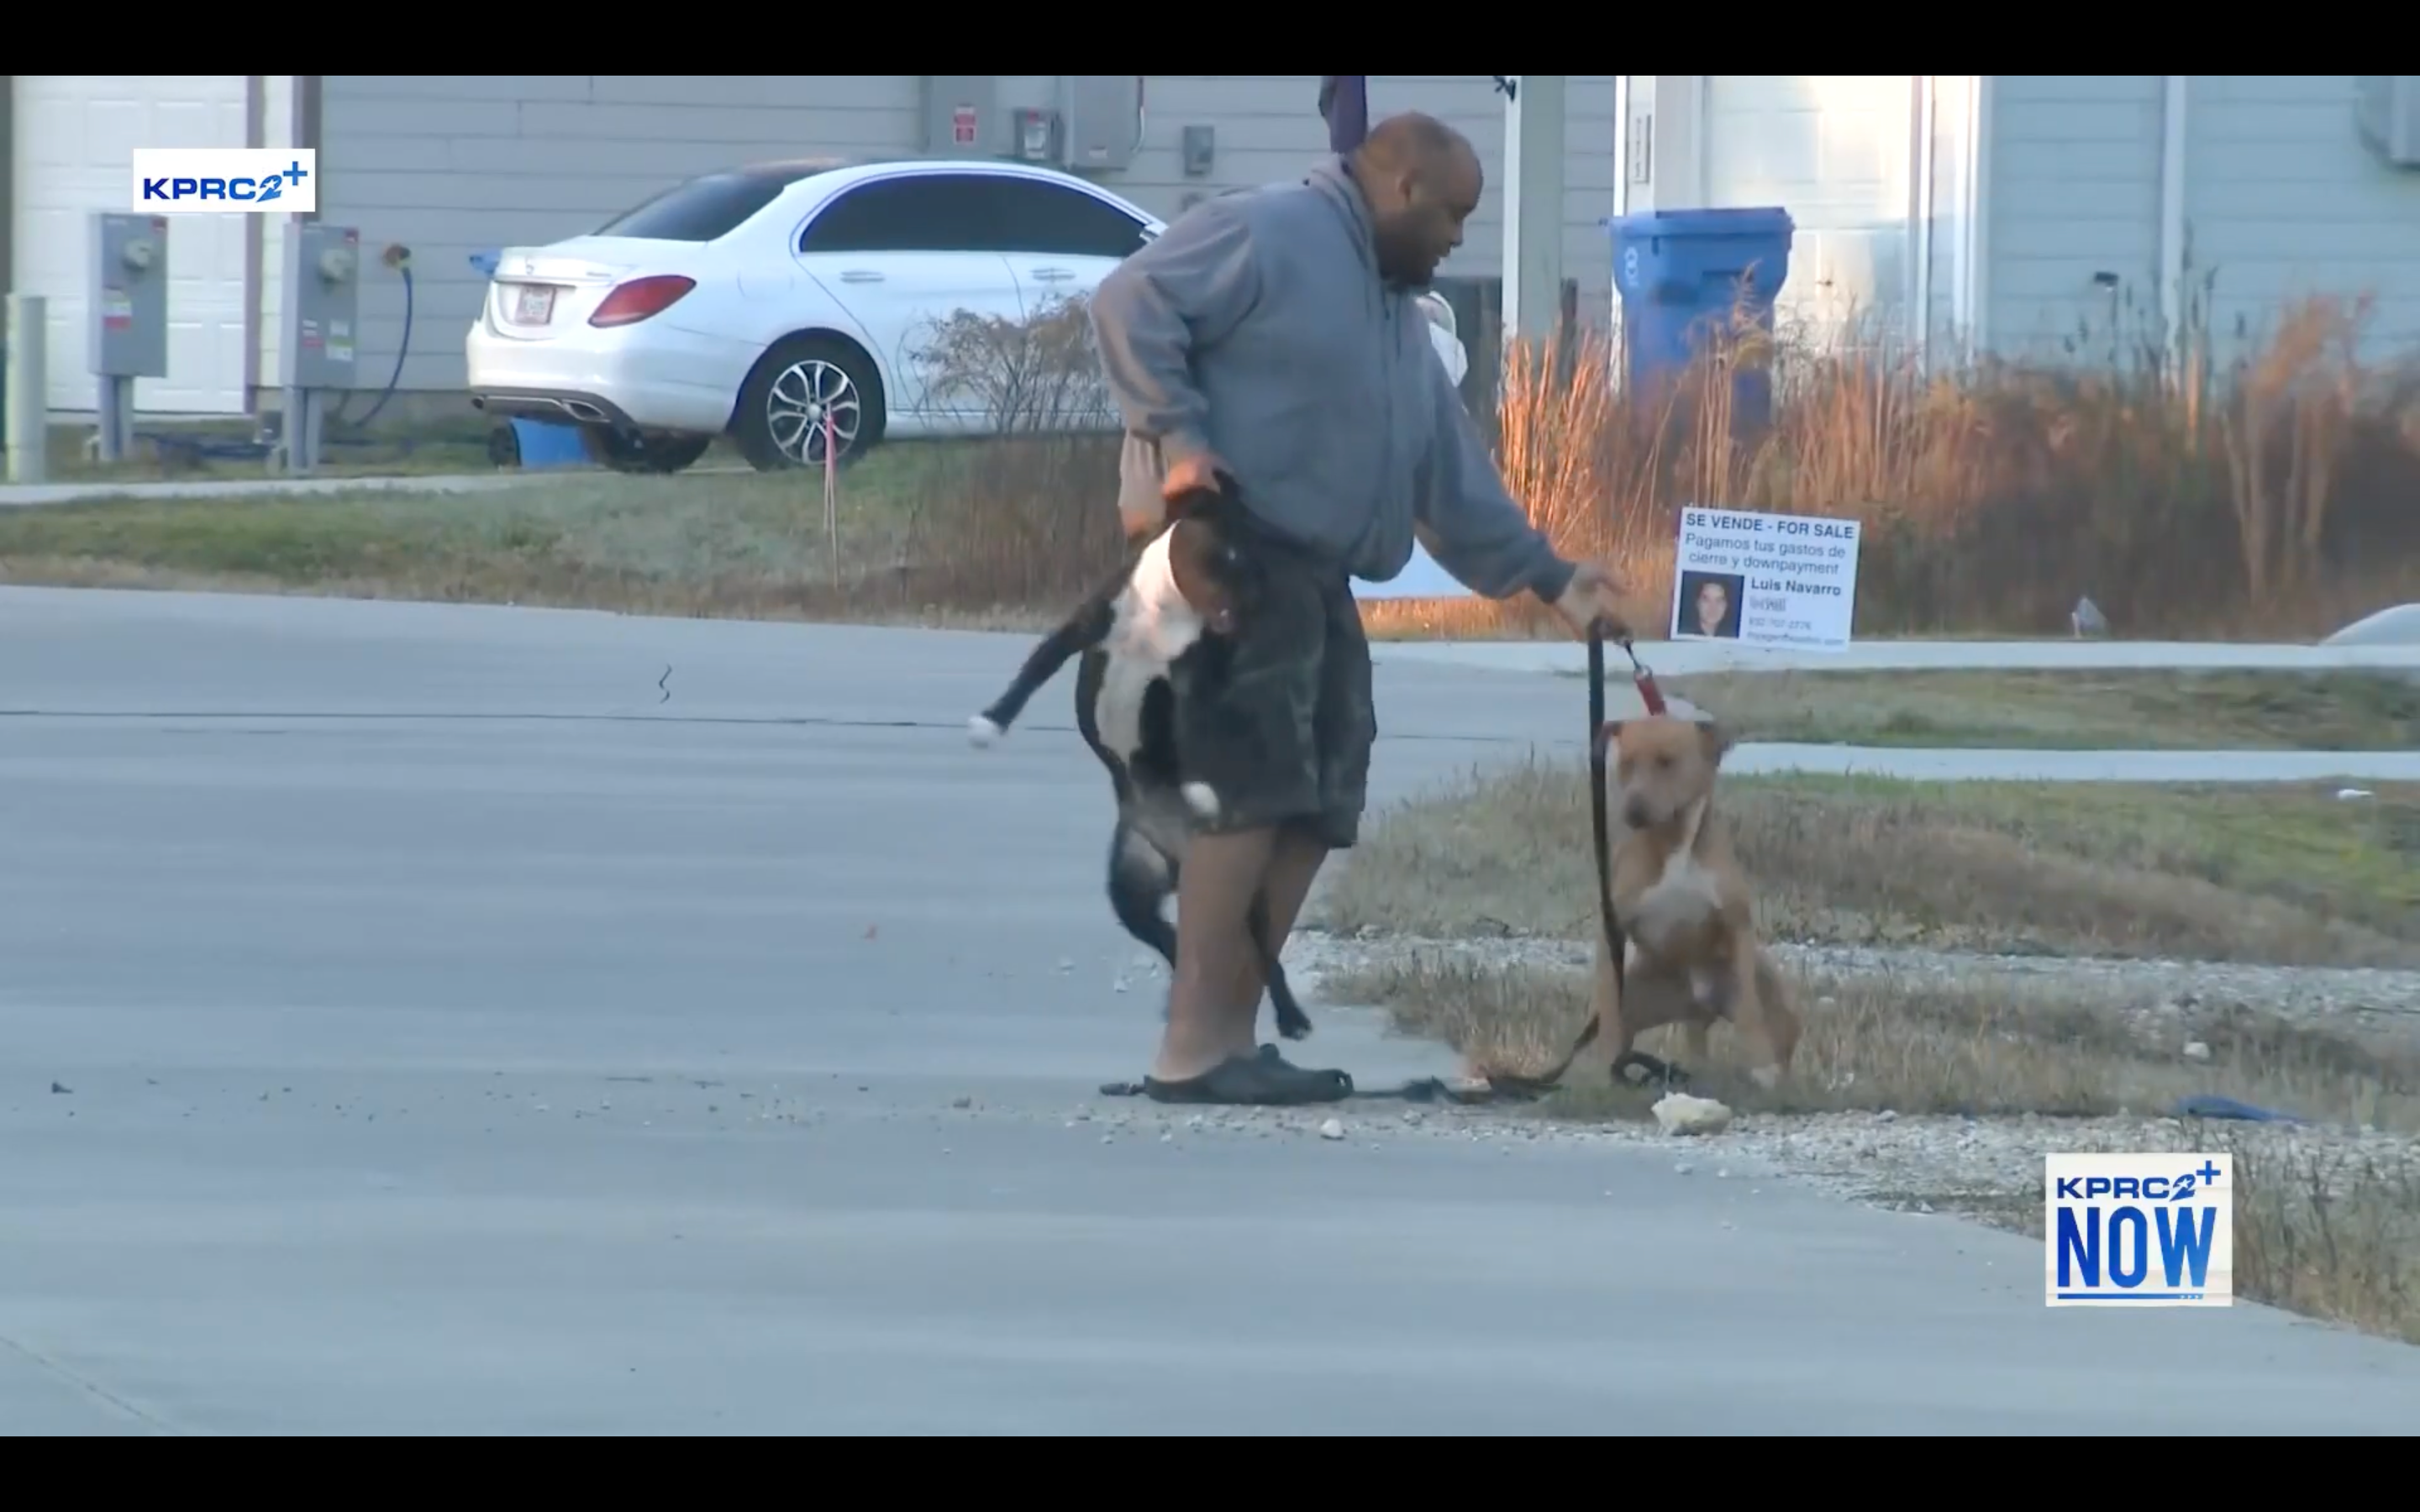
x: 1771, y: 580
x: 1705, y: 606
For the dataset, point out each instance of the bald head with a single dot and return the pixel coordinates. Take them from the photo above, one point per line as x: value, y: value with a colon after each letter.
x: 1422, y: 181
x: 1413, y: 141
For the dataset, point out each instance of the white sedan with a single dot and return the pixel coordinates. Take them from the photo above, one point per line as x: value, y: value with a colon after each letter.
x: 767, y: 300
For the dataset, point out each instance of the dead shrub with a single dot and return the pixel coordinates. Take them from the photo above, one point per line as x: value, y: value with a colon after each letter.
x: 2275, y: 492
x: 2280, y: 493
x: 1026, y: 516
x: 2329, y: 1233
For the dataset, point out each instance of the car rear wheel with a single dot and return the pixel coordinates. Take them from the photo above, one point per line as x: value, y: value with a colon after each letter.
x: 642, y: 451
x: 798, y: 386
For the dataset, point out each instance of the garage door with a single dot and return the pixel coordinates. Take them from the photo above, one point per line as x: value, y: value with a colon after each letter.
x: 1832, y: 150
x: 75, y: 140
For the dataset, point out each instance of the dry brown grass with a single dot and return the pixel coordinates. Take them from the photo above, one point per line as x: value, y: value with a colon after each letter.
x: 1005, y: 528
x: 742, y: 547
x: 1975, y: 1047
x: 2276, y: 872
x: 2281, y: 496
x: 2327, y: 1227
x: 2068, y: 709
x: 2328, y: 1220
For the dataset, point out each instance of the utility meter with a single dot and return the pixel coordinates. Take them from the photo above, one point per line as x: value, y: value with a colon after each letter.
x: 323, y: 297
x: 129, y: 295
x: 324, y: 304
x: 129, y: 310
x: 1036, y: 132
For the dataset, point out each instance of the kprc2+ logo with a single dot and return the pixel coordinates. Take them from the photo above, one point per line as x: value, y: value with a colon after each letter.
x: 226, y: 182
x: 2138, y: 1230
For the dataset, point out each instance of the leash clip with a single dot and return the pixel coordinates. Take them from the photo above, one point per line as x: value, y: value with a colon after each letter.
x: 1644, y: 677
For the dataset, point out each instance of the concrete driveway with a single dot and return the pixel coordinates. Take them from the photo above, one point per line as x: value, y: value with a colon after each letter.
x: 410, y: 1022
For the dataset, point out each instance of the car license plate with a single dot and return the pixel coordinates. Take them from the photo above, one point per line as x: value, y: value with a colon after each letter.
x: 533, y: 304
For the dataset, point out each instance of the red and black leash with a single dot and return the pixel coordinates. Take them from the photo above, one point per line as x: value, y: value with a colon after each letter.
x: 1600, y: 754
x: 1601, y: 833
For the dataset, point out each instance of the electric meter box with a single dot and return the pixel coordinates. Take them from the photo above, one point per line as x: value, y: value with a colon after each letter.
x: 962, y: 115
x: 323, y: 291
x: 129, y: 295
x: 1104, y: 121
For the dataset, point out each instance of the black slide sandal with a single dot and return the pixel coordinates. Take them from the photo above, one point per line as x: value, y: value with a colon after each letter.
x: 1260, y: 1080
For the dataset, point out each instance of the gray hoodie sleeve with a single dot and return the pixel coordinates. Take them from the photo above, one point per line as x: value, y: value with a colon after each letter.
x: 1471, y: 524
x: 1192, y: 285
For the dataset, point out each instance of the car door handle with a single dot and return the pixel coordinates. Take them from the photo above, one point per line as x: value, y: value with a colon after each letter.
x: 1053, y: 275
x: 861, y: 275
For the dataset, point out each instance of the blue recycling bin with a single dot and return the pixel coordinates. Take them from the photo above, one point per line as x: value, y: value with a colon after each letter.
x: 536, y: 443
x: 544, y: 444
x: 1684, y: 275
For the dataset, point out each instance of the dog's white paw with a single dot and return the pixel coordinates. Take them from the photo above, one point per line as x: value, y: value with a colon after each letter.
x: 1767, y: 1077
x: 1201, y: 798
x: 982, y: 731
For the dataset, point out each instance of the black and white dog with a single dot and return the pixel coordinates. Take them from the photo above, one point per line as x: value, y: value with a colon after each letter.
x: 1162, y: 624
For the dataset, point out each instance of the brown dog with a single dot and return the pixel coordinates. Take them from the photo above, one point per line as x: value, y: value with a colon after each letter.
x: 1692, y: 956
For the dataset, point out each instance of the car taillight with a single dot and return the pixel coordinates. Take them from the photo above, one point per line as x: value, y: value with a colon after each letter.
x: 635, y: 300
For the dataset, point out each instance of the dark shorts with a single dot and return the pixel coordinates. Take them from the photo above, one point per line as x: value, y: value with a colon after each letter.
x: 1284, y: 734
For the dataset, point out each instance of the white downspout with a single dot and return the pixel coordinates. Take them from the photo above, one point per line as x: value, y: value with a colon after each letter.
x: 1510, y: 258
x: 1535, y: 123
x: 1621, y: 145
x: 2172, y: 215
x: 1921, y: 323
x: 1979, y: 110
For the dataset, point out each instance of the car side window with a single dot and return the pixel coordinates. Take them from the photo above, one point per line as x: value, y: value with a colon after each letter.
x: 922, y: 212
x: 1036, y: 217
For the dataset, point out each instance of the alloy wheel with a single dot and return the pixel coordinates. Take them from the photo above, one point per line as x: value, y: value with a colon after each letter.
x: 802, y: 398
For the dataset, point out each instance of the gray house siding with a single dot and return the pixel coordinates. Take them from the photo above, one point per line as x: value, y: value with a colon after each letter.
x: 2281, y: 199
x: 450, y: 165
x: 1268, y: 129
x: 2075, y: 194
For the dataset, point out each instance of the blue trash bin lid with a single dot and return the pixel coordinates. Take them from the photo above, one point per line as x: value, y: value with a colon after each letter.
x: 1754, y: 221
x: 1671, y: 254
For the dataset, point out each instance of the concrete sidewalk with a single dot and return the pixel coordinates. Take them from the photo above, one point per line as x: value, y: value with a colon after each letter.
x: 2079, y: 765
x: 31, y: 495
x: 1678, y: 658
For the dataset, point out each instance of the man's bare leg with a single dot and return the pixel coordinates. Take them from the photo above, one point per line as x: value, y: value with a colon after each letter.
x: 1210, y: 1013
x: 1294, y: 860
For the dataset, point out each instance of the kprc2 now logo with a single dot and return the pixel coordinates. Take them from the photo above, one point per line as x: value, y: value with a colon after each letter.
x: 227, y: 181
x: 2139, y: 1231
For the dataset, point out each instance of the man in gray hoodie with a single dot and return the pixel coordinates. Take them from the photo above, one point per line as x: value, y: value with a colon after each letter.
x: 1268, y: 344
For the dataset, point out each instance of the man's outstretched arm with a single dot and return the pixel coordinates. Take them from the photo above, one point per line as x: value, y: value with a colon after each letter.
x: 1187, y: 289
x: 1474, y: 528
